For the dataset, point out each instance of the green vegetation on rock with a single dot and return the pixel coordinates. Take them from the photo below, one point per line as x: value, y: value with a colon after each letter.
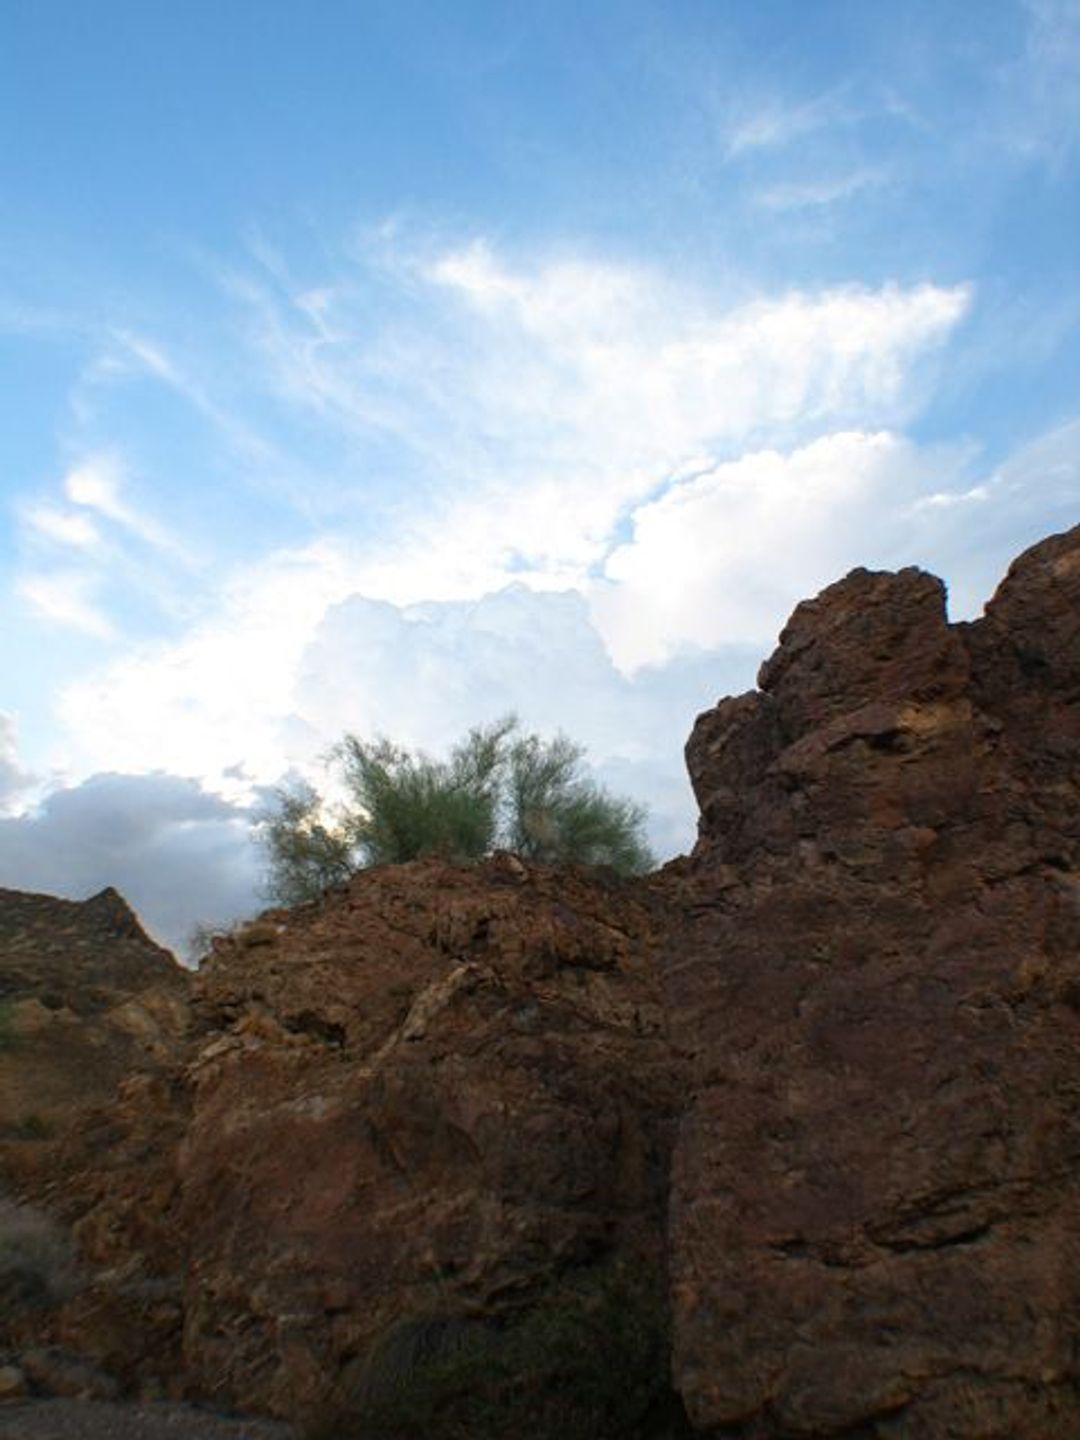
x: 498, y: 788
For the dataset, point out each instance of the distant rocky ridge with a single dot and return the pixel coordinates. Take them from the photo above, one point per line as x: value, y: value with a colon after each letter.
x: 817, y: 1085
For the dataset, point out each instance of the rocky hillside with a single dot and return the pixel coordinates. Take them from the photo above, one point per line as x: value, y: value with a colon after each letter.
x: 782, y: 1141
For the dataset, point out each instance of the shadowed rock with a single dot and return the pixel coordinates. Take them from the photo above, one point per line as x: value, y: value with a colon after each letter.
x: 876, y: 1194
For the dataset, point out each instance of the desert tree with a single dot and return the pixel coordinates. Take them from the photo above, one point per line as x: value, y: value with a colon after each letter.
x: 497, y: 789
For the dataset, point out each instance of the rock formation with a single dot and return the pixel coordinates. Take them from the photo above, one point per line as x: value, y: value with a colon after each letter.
x: 875, y: 1216
x: 93, y: 1025
x: 430, y: 1095
x: 818, y: 1081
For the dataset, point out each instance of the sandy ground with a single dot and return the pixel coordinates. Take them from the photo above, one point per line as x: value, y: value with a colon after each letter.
x: 103, y: 1420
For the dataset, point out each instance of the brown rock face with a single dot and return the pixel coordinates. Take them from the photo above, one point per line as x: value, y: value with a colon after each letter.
x: 90, y: 1005
x: 429, y: 1096
x: 93, y: 1020
x: 875, y: 1216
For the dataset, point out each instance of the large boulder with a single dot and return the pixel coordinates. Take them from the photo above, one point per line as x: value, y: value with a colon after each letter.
x: 875, y: 1213
x: 425, y: 1100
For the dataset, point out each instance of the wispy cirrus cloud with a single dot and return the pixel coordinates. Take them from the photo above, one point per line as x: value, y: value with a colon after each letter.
x: 552, y: 395
x: 60, y: 526
x: 69, y: 598
x: 816, y: 193
x: 96, y: 483
x: 85, y: 540
x: 757, y: 123
x: 1045, y: 116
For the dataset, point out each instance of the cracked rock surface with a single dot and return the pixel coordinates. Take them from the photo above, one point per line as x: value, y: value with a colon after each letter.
x: 875, y: 1212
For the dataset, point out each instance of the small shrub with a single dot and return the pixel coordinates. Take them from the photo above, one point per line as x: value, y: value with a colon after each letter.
x: 497, y: 789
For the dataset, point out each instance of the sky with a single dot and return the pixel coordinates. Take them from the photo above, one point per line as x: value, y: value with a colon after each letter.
x: 386, y: 365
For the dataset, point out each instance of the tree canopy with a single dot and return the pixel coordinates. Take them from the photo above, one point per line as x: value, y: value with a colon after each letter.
x: 499, y: 788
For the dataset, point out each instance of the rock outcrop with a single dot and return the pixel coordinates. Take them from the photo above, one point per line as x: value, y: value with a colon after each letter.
x: 93, y: 1042
x: 432, y: 1094
x: 818, y: 1083
x: 875, y: 1219
x: 87, y: 999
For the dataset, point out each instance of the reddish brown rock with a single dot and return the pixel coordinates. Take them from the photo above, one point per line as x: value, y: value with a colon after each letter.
x: 93, y: 1042
x: 88, y: 999
x: 432, y: 1094
x: 876, y: 1195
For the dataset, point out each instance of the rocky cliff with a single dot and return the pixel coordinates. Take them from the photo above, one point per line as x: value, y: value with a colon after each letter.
x: 801, y: 1110
x: 875, y: 1218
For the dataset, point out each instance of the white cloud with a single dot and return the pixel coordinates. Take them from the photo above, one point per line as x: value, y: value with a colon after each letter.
x: 66, y: 597
x: 578, y: 375
x: 114, y: 549
x: 424, y: 674
x: 1033, y: 493
x: 722, y: 557
x: 216, y: 697
x: 275, y: 686
x: 771, y: 124
x: 555, y: 396
x: 61, y: 527
x: 15, y: 782
x: 96, y: 484
x: 814, y: 194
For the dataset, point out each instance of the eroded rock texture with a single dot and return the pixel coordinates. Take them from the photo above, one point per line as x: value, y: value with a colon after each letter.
x: 93, y: 1025
x: 875, y: 1218
x: 429, y: 1096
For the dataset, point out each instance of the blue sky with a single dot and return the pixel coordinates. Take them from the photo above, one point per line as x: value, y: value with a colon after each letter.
x: 384, y: 366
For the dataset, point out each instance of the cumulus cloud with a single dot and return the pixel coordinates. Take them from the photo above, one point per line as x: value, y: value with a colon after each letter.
x: 748, y: 538
x: 722, y: 556
x: 307, y: 643
x: 422, y: 674
x: 426, y: 673
x: 178, y: 854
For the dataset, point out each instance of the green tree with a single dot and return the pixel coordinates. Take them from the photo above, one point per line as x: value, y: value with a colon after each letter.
x: 553, y: 813
x: 497, y: 788
x: 405, y: 805
x: 304, y: 854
